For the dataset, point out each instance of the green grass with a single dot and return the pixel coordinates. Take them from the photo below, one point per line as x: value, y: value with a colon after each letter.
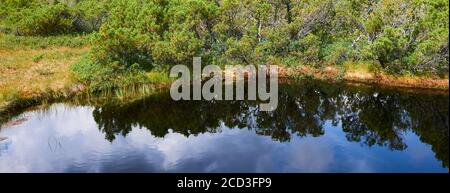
x: 8, y: 41
x: 38, y: 58
x: 159, y: 77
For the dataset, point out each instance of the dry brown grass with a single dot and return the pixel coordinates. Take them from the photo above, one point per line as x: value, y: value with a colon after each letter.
x: 26, y: 73
x: 365, y: 75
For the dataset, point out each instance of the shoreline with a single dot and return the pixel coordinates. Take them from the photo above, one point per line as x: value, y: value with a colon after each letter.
x: 377, y: 79
x: 330, y: 75
x: 36, y: 70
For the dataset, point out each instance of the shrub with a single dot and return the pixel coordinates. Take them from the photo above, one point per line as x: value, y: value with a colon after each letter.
x: 240, y: 51
x: 122, y: 49
x: 123, y: 45
x: 44, y: 20
x: 41, y: 17
x: 389, y: 46
x: 309, y: 48
x: 109, y: 76
x: 338, y: 52
x: 90, y: 14
x: 178, y: 47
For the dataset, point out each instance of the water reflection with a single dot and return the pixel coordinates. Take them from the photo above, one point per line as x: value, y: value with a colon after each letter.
x: 367, y: 116
x: 316, y: 128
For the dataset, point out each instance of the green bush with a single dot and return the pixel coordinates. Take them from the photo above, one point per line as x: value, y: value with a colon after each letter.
x: 122, y: 48
x: 44, y: 20
x: 338, y: 52
x: 240, y: 51
x: 309, y: 49
x: 109, y: 76
x: 90, y: 14
x: 41, y: 17
x: 124, y: 45
x: 389, y: 46
x: 129, y: 34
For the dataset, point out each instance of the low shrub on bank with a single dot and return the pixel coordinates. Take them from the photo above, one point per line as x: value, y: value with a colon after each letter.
x: 107, y: 76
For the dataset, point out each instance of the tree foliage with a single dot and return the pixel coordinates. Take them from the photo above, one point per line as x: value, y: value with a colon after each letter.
x: 401, y: 36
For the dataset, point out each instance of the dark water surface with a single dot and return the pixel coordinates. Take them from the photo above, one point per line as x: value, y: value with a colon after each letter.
x: 317, y: 128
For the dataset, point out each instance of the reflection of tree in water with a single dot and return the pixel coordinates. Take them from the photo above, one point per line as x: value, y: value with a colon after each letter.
x: 371, y: 116
x: 430, y: 118
x: 375, y: 118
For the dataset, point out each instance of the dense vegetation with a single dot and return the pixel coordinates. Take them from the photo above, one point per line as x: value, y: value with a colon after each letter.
x: 134, y: 36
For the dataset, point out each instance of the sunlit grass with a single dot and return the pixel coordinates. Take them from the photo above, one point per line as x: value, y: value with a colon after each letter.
x: 362, y: 67
x: 159, y: 77
x: 29, y: 72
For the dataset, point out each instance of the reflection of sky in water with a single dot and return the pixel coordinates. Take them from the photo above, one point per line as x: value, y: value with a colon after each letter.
x: 66, y: 139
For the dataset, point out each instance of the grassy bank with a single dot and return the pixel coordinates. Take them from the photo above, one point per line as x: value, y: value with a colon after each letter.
x: 366, y: 74
x: 37, y: 68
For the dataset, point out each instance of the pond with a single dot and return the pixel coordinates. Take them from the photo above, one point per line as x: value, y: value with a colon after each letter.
x: 317, y: 127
